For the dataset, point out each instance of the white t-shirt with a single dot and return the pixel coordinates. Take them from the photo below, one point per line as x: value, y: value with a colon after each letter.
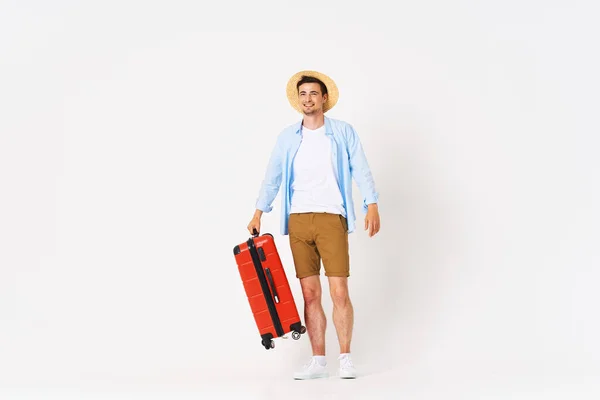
x: 314, y: 185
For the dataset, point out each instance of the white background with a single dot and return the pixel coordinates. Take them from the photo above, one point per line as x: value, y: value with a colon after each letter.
x: 133, y: 140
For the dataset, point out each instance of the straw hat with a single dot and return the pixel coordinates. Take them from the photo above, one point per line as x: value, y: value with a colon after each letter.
x: 332, y: 90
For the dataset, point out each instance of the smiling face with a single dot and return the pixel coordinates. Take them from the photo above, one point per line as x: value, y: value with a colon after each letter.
x: 311, y: 98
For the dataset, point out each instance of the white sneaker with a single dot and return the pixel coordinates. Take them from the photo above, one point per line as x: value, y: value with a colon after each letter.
x: 347, y: 370
x: 312, y: 370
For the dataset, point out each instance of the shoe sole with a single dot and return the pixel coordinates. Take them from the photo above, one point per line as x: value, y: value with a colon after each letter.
x: 302, y: 378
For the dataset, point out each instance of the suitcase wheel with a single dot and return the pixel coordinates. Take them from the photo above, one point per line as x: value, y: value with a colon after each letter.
x: 296, y: 334
x: 268, y: 344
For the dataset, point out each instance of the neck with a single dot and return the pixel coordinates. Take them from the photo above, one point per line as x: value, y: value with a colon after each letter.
x: 314, y: 121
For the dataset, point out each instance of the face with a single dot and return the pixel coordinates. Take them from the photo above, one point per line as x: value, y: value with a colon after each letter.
x: 310, y: 98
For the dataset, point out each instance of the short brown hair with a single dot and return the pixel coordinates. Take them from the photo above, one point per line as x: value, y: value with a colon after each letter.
x: 311, y: 79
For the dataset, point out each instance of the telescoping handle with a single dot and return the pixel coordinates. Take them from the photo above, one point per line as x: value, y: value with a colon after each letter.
x: 272, y: 284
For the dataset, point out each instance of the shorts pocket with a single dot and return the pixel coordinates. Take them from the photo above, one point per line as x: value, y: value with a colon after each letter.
x: 292, y: 223
x: 344, y: 222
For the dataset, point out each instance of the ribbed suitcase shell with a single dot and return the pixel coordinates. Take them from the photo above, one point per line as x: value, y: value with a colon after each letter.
x: 260, y: 268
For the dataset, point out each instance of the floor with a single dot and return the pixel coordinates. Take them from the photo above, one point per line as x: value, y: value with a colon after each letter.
x: 391, y: 384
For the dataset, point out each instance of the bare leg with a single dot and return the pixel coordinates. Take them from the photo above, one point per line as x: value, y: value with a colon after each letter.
x: 343, y: 312
x: 314, y: 314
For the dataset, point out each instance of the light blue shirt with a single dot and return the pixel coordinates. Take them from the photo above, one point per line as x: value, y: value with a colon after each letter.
x: 349, y: 162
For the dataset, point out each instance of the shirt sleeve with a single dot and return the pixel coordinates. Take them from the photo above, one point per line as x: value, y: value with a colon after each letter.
x: 272, y: 179
x: 360, y: 170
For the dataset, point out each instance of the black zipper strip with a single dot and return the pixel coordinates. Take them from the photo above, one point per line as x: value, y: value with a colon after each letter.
x: 265, y: 287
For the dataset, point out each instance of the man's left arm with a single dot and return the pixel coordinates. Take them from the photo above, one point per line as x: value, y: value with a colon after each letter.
x: 361, y: 173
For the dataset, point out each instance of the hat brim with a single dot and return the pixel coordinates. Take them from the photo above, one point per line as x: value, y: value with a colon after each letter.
x: 332, y: 90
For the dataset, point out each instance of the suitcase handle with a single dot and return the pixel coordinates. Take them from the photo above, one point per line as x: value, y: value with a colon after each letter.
x: 254, y: 232
x: 272, y: 284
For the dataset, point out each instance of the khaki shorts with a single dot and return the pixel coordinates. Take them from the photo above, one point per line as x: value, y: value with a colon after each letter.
x: 319, y: 236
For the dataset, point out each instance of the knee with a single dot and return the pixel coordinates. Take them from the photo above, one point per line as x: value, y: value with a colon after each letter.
x: 311, y: 295
x: 339, y: 296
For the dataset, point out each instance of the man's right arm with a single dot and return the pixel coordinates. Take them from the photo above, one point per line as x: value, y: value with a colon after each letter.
x: 269, y: 186
x: 272, y: 180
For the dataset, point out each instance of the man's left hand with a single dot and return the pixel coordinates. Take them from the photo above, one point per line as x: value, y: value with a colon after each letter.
x: 372, y: 222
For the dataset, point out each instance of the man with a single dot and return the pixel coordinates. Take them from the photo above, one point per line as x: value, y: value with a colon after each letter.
x: 314, y: 162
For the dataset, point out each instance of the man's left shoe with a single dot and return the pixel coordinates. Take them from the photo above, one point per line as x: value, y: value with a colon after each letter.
x: 347, y: 369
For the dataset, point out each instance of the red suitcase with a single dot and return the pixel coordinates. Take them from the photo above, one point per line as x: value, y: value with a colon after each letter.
x: 267, y: 289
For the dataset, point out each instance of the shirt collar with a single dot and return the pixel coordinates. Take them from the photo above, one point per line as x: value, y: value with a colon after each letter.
x: 328, y: 130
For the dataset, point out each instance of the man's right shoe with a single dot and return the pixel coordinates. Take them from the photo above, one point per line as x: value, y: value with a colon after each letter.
x: 312, y: 370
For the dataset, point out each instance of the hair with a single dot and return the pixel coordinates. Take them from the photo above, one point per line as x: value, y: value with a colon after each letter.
x: 311, y: 79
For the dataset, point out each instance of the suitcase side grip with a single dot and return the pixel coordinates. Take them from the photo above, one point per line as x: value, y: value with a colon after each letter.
x: 272, y: 284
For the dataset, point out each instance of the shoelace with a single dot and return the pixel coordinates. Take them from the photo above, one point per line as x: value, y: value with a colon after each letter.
x: 310, y: 364
x: 346, y: 362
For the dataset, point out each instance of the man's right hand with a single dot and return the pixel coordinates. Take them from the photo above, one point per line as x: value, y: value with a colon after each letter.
x: 255, y: 222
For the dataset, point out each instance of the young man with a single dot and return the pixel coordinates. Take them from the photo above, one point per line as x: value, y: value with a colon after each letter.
x: 314, y: 162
